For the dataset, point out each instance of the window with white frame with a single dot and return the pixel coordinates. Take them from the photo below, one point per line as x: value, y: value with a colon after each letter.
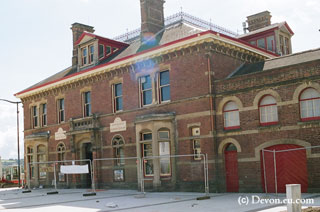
x: 164, y: 152
x: 60, y: 105
x: 87, y: 104
x: 268, y: 110
x: 91, y: 53
x: 145, y: 90
x: 44, y: 114
x: 84, y: 56
x: 231, y: 116
x: 164, y: 86
x: 309, y: 104
x: 117, y: 97
x: 35, y: 116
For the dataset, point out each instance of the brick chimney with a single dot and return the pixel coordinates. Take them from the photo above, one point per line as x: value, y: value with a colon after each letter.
x: 77, y: 30
x: 259, y: 20
x: 152, y: 18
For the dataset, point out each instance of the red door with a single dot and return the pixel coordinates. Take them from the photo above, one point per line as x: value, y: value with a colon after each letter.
x: 291, y: 168
x: 231, y: 163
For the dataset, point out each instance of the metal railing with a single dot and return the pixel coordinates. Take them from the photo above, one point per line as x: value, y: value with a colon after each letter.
x: 180, y: 17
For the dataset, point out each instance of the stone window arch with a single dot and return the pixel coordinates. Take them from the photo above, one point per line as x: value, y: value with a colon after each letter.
x: 309, y: 102
x: 41, y: 157
x: 268, y: 110
x: 30, y: 161
x: 231, y: 115
x: 118, y: 149
x: 61, y: 149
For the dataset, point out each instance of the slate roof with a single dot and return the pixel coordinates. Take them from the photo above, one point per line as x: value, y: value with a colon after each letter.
x: 284, y: 61
x: 171, y: 33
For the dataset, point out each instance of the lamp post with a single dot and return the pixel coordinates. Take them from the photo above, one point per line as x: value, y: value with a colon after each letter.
x: 17, y: 103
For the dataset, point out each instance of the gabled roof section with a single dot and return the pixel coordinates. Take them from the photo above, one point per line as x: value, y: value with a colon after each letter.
x: 283, y: 25
x: 107, y: 40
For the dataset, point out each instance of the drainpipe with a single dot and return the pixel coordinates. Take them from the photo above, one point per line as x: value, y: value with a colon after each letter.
x: 213, y: 120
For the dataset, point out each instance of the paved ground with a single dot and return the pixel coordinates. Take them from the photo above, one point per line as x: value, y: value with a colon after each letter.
x: 123, y: 200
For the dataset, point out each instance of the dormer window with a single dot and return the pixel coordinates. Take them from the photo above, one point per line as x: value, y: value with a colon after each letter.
x: 84, y: 56
x: 101, y: 51
x: 108, y: 50
x: 91, y: 52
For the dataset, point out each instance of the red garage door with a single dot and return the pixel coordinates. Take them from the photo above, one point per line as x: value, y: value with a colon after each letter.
x: 291, y: 168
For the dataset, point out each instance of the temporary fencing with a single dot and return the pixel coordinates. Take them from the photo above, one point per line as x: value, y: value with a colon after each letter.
x: 290, y: 164
x: 60, y: 174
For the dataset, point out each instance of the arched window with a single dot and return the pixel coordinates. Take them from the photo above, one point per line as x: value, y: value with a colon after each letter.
x: 117, y: 144
x: 30, y: 161
x: 310, y: 104
x: 61, y: 149
x: 231, y: 116
x: 41, y: 157
x: 268, y: 110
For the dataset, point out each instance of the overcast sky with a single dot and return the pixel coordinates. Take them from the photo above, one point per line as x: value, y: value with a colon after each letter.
x: 36, y: 39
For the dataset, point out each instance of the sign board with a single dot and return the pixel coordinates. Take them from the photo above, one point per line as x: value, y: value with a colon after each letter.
x: 74, y: 169
x: 60, y: 134
x: 118, y: 125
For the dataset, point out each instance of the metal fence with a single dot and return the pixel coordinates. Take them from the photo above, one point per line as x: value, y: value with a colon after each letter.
x: 49, y: 175
x: 117, y: 173
x: 176, y: 173
x: 291, y: 164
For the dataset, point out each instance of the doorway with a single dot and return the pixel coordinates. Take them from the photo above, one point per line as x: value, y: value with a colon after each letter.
x: 231, y: 165
x: 87, y: 154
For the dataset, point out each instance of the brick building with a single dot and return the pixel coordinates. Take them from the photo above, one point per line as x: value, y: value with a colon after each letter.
x: 180, y: 86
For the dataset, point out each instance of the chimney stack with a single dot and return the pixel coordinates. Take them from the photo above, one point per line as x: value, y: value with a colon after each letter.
x: 259, y: 20
x: 77, y: 30
x: 152, y: 17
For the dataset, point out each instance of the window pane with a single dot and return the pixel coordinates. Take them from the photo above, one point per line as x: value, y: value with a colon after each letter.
x: 261, y: 43
x: 88, y: 110
x: 147, y: 97
x: 44, y: 108
x: 101, y: 51
x: 146, y: 136
x: 163, y: 134
x: 147, y: 151
x: 87, y: 97
x: 270, y: 42
x: 91, y: 49
x: 108, y: 50
x: 231, y: 106
x: 119, y: 103
x: 165, y: 93
x: 164, y: 78
x: 61, y: 104
x: 309, y: 94
x: 146, y: 82
x: 164, y: 149
x: 118, y: 89
x: 61, y: 116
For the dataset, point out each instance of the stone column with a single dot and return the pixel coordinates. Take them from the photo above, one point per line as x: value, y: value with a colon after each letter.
x: 293, y: 197
x: 156, y: 161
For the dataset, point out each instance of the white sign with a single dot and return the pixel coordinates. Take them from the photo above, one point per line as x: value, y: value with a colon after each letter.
x: 60, y: 134
x: 118, y: 125
x: 74, y: 169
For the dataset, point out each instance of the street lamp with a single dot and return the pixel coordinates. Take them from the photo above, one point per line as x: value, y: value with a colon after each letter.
x: 17, y: 103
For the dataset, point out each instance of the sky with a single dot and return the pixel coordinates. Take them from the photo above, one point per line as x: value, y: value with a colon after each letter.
x: 36, y: 39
